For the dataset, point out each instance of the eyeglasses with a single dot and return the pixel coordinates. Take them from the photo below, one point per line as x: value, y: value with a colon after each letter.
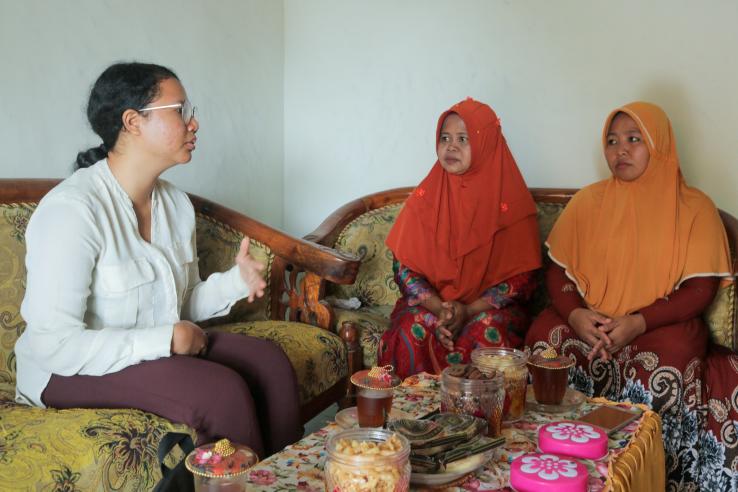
x: 186, y: 110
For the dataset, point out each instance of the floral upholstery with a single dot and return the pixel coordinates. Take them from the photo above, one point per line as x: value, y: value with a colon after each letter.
x: 372, y: 322
x: 376, y: 289
x: 102, y: 449
x: 364, y: 237
x: 80, y: 450
x: 13, y: 221
x: 318, y: 356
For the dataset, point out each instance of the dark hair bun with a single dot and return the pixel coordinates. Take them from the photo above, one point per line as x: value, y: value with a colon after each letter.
x: 91, y: 156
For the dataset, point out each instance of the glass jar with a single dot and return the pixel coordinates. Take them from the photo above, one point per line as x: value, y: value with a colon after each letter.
x: 512, y: 364
x: 220, y: 466
x: 481, y: 398
x: 367, y: 460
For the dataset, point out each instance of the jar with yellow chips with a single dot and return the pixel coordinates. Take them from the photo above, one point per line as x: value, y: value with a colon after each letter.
x: 367, y: 460
x: 512, y: 363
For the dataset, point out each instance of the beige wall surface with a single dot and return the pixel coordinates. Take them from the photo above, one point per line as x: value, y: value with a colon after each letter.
x: 228, y: 54
x: 366, y: 81
x: 305, y: 105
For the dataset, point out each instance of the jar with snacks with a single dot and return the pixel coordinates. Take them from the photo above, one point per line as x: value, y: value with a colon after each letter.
x: 467, y: 390
x: 367, y: 460
x: 512, y: 364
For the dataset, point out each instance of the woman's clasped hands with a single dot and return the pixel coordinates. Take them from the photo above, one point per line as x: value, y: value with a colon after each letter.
x: 605, y: 335
x: 451, y: 318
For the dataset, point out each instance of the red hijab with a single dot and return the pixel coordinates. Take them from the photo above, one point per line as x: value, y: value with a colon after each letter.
x: 465, y: 233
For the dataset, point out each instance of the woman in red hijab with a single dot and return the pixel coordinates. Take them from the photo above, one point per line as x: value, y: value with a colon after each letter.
x: 465, y: 246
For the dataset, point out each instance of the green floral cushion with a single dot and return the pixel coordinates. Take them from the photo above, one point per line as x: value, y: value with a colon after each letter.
x: 80, y: 450
x: 720, y: 315
x: 318, y: 356
x: 364, y: 237
x: 372, y: 322
x: 13, y: 221
x: 217, y: 246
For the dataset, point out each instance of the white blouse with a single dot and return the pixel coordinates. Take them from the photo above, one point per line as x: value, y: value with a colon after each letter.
x: 98, y: 297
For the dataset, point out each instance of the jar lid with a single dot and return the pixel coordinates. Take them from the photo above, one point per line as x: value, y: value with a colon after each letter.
x: 500, y: 358
x: 376, y: 378
x: 221, y: 459
x: 550, y: 359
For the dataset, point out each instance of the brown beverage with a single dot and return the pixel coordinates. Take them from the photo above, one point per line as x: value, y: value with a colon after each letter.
x: 550, y: 372
x: 373, y: 407
x: 549, y: 385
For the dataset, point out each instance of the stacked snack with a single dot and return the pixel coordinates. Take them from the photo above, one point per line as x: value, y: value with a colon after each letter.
x: 512, y: 364
x: 446, y: 443
x: 467, y: 390
x: 367, y: 460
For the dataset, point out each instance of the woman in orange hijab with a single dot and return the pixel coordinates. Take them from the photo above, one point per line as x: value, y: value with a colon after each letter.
x: 465, y: 245
x: 636, y: 259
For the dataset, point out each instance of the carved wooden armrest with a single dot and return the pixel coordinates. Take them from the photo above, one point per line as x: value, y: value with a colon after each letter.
x: 299, y: 269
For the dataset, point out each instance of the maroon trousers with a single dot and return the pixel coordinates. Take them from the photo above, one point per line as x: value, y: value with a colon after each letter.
x: 244, y: 389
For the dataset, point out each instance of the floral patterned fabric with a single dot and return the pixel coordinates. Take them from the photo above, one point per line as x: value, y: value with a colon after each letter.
x: 372, y: 322
x: 318, y: 356
x: 411, y: 344
x: 364, y: 237
x: 80, y: 450
x: 300, y: 466
x: 695, y: 405
x: 13, y: 221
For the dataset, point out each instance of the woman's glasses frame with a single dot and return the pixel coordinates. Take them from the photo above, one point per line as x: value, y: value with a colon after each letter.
x: 187, y: 110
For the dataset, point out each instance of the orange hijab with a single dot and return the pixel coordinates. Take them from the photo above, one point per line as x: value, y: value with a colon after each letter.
x: 626, y: 244
x: 465, y: 233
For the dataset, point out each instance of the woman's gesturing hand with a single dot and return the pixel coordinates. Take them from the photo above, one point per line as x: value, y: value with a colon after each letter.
x: 250, y: 271
x: 188, y: 339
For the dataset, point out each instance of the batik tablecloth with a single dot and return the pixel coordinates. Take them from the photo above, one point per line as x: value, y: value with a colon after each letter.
x: 635, y: 460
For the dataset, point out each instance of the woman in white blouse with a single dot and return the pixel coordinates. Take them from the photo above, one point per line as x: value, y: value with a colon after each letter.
x: 113, y: 290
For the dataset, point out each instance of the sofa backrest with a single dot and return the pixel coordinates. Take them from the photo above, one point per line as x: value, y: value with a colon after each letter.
x: 364, y: 236
x: 217, y: 245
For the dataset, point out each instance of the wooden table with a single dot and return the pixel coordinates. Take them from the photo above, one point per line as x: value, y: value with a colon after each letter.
x: 300, y: 466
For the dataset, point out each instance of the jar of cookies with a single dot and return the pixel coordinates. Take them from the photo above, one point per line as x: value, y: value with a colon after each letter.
x: 467, y: 390
x: 367, y: 460
x: 512, y: 363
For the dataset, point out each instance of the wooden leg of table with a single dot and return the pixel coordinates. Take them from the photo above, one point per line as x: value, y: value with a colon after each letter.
x: 349, y: 333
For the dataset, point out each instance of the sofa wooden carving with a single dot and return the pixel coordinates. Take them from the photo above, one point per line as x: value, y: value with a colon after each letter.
x: 83, y: 449
x: 361, y: 226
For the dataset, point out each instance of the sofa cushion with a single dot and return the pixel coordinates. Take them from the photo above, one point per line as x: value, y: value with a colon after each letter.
x: 13, y: 221
x: 364, y: 237
x: 79, y: 449
x: 720, y: 315
x: 318, y: 356
x: 372, y: 322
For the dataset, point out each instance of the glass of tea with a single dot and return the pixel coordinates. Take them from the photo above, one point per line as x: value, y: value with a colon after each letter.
x: 374, y: 390
x: 550, y: 372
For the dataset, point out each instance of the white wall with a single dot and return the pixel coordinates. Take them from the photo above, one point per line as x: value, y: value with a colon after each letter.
x: 228, y: 54
x: 366, y: 81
